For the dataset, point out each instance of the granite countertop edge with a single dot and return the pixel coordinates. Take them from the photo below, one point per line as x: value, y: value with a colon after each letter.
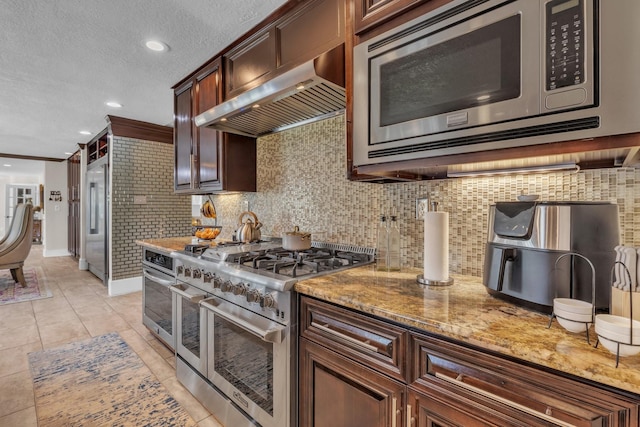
x: 466, y: 313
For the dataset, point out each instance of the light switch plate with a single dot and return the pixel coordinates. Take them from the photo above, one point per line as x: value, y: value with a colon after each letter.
x: 422, y: 205
x: 139, y: 200
x: 245, y: 205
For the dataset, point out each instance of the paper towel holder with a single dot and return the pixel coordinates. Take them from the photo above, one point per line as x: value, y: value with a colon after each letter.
x: 429, y: 282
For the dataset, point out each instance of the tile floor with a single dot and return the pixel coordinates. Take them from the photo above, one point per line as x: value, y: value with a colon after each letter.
x: 80, y: 309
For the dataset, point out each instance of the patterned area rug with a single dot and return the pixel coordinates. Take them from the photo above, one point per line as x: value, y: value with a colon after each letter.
x: 100, y: 382
x: 11, y: 291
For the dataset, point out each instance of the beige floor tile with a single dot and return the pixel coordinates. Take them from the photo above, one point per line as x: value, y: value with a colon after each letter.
x: 10, y: 319
x: 14, y: 360
x: 21, y: 335
x: 49, y: 304
x: 154, y: 361
x: 24, y: 418
x: 57, y: 315
x: 78, y: 301
x: 62, y: 332
x: 16, y: 393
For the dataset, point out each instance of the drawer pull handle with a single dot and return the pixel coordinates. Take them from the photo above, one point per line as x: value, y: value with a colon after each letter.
x: 545, y: 416
x: 330, y: 331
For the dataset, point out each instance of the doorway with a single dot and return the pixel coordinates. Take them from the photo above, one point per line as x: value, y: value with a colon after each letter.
x: 16, y: 194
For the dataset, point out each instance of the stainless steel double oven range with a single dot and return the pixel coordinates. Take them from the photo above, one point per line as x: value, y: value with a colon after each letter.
x: 236, y: 325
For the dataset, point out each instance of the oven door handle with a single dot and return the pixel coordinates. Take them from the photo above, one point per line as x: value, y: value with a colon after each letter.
x: 268, y: 331
x: 195, y: 298
x: 157, y: 279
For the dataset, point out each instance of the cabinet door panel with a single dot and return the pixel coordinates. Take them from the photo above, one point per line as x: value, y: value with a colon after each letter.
x: 313, y: 30
x: 183, y: 138
x: 337, y: 392
x: 208, y: 96
x: 250, y: 61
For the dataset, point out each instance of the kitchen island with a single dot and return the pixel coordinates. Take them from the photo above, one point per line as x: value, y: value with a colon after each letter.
x: 466, y: 313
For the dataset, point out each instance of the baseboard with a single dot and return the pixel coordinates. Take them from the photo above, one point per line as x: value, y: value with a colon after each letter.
x: 83, y: 264
x: 54, y: 253
x: 125, y: 286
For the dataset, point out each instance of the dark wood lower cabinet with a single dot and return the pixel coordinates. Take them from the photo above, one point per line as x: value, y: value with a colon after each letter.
x: 343, y: 382
x: 338, y: 392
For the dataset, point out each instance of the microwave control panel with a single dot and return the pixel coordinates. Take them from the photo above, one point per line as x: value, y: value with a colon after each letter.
x: 564, y: 43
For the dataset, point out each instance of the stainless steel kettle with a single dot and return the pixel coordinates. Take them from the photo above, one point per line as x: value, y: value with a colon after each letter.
x: 248, y: 231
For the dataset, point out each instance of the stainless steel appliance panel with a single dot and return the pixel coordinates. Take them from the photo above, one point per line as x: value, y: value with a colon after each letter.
x: 191, y: 325
x: 96, y: 223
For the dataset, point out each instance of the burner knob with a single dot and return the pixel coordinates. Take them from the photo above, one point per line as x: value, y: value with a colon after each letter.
x: 227, y: 286
x: 240, y: 289
x: 187, y: 272
x: 197, y: 273
x: 254, y: 296
x: 179, y: 270
x: 268, y: 302
x: 217, y: 282
x: 208, y: 277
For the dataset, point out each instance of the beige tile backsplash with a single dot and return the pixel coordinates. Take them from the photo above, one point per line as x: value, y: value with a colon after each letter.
x: 302, y: 181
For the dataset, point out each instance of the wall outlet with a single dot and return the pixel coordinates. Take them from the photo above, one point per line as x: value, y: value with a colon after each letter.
x: 245, y: 205
x: 422, y: 205
x: 139, y: 200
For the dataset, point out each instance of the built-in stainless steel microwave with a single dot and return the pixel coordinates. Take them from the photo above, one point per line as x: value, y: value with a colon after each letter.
x: 487, y: 74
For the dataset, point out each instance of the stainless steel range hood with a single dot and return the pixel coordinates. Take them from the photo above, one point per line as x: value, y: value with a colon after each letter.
x: 310, y: 92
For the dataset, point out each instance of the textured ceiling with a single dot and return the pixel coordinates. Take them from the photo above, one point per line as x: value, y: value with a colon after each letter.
x: 62, y: 60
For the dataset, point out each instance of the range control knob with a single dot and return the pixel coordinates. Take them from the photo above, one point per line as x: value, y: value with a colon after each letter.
x: 226, y: 286
x: 240, y: 289
x: 268, y: 302
x: 217, y: 283
x: 197, y: 273
x: 207, y: 277
x: 179, y: 270
x: 187, y: 272
x: 254, y: 296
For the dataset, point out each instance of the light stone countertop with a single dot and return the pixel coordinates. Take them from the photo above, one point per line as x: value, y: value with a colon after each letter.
x: 465, y: 312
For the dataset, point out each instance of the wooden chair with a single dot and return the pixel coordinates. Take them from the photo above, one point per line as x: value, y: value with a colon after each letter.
x: 15, y: 246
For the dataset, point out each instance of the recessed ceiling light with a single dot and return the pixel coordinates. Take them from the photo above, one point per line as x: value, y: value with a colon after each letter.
x: 7, y: 165
x: 113, y: 104
x: 156, y: 46
x: 85, y: 132
x: 67, y: 153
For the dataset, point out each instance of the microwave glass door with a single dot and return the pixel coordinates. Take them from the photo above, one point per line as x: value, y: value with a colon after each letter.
x: 462, y: 73
x: 476, y: 68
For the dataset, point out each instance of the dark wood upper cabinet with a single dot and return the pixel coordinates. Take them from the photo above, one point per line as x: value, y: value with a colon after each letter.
x: 207, y: 160
x: 308, y: 30
x: 370, y: 13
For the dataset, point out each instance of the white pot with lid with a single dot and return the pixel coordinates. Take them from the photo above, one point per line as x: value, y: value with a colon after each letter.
x: 296, y: 240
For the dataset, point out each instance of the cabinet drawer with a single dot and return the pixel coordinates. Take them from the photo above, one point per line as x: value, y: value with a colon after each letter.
x: 520, y: 392
x: 374, y: 343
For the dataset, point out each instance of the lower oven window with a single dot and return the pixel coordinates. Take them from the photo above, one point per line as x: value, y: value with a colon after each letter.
x: 245, y: 361
x: 157, y: 305
x: 191, y: 326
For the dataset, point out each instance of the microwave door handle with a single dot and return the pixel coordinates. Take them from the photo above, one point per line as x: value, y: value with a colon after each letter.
x: 157, y: 279
x: 272, y: 335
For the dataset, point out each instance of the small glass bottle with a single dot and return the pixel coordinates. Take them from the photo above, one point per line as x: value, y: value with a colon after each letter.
x: 393, y: 256
x: 382, y: 246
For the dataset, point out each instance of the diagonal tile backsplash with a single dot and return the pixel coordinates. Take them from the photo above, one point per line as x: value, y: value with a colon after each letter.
x: 302, y: 181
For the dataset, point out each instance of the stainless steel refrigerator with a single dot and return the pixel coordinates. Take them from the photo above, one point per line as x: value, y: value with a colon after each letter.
x: 96, y: 224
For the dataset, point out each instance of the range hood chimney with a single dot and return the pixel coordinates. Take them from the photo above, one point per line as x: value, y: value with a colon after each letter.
x: 307, y: 93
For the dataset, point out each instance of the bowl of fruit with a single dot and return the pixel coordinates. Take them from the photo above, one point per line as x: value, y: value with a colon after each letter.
x: 206, y: 232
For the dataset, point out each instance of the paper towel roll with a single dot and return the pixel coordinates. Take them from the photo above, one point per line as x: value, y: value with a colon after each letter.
x: 436, y: 246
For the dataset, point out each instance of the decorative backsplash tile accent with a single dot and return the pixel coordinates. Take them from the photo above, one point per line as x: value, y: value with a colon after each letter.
x: 302, y: 181
x: 144, y: 169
